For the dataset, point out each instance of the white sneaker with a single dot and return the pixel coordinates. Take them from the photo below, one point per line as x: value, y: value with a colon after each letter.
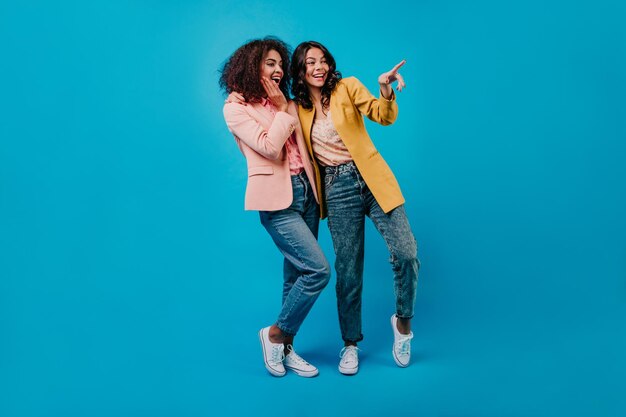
x: 273, y: 353
x: 401, y: 345
x: 349, y: 363
x: 294, y: 362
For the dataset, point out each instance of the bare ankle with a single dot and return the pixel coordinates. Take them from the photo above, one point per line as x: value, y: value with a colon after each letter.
x: 288, y: 342
x: 404, y: 325
x: 276, y: 335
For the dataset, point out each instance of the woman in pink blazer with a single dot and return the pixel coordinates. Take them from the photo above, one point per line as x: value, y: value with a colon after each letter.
x: 281, y: 186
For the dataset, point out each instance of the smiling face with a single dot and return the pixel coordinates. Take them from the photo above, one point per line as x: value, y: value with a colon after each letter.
x: 316, y: 68
x: 272, y: 66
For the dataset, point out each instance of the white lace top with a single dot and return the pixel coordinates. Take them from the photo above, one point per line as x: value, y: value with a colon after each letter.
x: 328, y: 147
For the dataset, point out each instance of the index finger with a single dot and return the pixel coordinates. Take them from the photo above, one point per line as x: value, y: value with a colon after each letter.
x: 397, y: 67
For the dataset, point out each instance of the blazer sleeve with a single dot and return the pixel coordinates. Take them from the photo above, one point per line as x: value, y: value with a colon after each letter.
x: 379, y: 110
x: 268, y: 143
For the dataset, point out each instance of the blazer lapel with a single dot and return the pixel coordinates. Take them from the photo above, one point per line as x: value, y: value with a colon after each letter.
x: 306, y: 120
x: 261, y: 114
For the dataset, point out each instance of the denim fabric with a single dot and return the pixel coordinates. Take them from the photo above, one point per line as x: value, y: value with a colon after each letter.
x: 305, y: 270
x: 349, y: 200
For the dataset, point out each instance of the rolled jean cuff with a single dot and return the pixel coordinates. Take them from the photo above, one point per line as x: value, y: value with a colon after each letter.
x: 358, y: 339
x: 286, y: 331
x: 404, y: 317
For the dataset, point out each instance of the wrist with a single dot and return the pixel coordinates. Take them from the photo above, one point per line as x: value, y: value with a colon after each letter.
x: 386, y: 91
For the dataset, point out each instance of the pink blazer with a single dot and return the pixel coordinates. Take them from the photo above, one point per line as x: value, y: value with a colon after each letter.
x: 261, y: 137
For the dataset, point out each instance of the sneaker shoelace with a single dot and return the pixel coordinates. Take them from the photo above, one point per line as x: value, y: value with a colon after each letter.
x: 293, y: 356
x: 404, y: 345
x: 349, y: 354
x: 277, y: 354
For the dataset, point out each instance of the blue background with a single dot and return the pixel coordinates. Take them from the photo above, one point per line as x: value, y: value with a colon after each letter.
x: 132, y: 283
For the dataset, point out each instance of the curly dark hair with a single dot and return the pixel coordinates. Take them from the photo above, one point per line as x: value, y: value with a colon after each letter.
x: 241, y: 71
x: 299, y: 87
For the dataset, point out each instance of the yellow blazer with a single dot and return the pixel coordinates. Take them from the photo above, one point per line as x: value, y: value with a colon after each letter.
x: 348, y: 103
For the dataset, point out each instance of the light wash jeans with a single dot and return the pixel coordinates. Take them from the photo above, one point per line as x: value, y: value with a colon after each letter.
x: 349, y: 200
x: 305, y: 270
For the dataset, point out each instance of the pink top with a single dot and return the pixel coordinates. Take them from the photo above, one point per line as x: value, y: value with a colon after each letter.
x: 293, y: 154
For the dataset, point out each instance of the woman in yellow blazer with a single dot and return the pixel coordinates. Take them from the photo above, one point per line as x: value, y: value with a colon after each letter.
x: 354, y: 181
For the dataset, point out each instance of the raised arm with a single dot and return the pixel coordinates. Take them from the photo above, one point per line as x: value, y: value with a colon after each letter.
x: 387, y: 78
x: 379, y: 110
x: 268, y: 142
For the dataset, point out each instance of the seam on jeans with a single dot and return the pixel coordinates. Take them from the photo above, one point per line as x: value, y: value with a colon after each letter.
x: 299, y: 259
x: 293, y: 246
x: 352, y: 174
x: 381, y: 229
x: 289, y: 240
x: 393, y: 260
x: 295, y: 301
x: 288, y: 331
x: 363, y: 188
x: 311, y: 205
x: 304, y: 194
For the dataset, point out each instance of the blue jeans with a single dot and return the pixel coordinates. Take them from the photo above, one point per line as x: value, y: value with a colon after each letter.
x: 305, y: 270
x: 349, y: 200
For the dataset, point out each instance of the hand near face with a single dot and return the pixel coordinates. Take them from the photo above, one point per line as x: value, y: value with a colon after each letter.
x: 236, y: 97
x: 385, y: 79
x: 274, y: 94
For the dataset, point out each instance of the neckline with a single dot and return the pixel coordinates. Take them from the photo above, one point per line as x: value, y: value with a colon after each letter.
x: 316, y: 119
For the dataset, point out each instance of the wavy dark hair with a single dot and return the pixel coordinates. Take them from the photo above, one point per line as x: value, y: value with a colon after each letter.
x: 241, y: 71
x: 299, y: 88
